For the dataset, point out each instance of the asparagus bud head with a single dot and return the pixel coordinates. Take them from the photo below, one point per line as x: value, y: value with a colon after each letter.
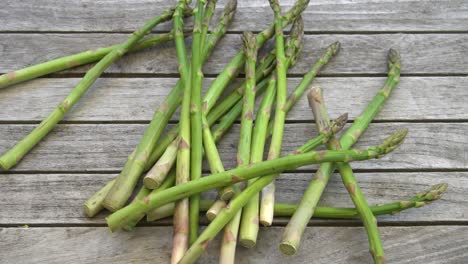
x: 295, y: 43
x: 338, y: 124
x: 394, y: 59
x: 390, y: 143
x: 335, y: 48
x: 434, y: 193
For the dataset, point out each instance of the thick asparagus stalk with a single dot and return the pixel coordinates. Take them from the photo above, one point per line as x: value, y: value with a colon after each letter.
x: 294, y: 229
x: 173, y: 101
x: 14, y: 155
x: 196, y: 151
x: 268, y: 194
x: 181, y: 215
x: 266, y: 168
x: 240, y: 200
x: 286, y: 210
x: 207, y: 16
x: 158, y: 173
x: 75, y: 60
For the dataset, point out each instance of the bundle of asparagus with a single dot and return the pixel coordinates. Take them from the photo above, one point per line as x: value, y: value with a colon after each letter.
x: 173, y: 162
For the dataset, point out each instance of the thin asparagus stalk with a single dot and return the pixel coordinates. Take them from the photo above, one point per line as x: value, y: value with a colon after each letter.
x: 158, y: 173
x: 268, y: 194
x: 174, y: 101
x: 231, y: 70
x: 229, y: 241
x: 207, y: 16
x: 267, y: 168
x: 14, y: 155
x: 196, y: 151
x: 240, y: 200
x: 181, y: 215
x: 168, y: 182
x: 294, y: 230
x: 285, y: 210
x: 75, y: 60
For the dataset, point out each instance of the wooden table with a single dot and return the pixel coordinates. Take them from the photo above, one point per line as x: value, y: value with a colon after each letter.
x: 47, y: 189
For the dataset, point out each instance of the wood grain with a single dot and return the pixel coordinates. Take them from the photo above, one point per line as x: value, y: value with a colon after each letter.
x: 437, y: 244
x: 119, y: 99
x: 57, y: 199
x: 320, y: 16
x: 360, y: 54
x: 104, y: 147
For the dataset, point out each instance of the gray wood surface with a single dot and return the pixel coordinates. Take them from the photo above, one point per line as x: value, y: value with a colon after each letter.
x: 27, y: 198
x: 98, y: 147
x: 47, y: 189
x: 119, y: 99
x: 423, y: 244
x: 322, y: 15
x: 360, y: 54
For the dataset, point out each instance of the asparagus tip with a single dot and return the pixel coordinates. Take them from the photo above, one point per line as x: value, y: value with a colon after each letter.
x: 231, y: 6
x: 287, y: 248
x: 394, y: 141
x: 335, y: 47
x: 274, y: 5
x: 434, y: 193
x: 295, y: 42
x: 249, y: 40
x: 393, y: 58
x: 338, y: 124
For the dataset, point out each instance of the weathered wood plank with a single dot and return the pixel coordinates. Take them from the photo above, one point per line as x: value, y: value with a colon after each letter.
x: 437, y: 244
x: 360, y: 54
x: 91, y: 147
x: 58, y: 198
x: 320, y: 16
x: 120, y: 99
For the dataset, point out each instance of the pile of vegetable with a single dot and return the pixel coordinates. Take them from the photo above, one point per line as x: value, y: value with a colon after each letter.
x: 169, y: 166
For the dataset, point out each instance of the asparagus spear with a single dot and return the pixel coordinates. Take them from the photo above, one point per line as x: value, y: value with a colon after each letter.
x: 268, y: 194
x: 171, y: 103
x: 14, y: 155
x: 75, y: 60
x: 270, y: 167
x: 240, y: 200
x: 421, y: 199
x: 207, y: 16
x: 181, y: 215
x: 196, y: 151
x: 294, y: 229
